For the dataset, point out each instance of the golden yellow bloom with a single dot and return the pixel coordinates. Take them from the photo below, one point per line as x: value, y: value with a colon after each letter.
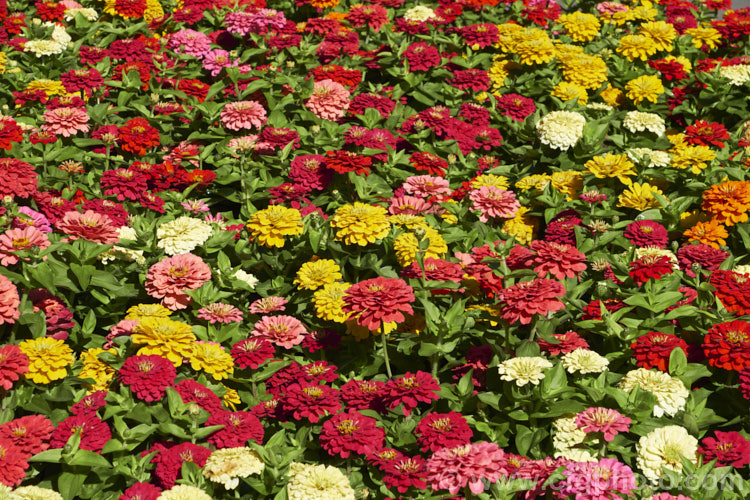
x: 696, y: 158
x: 3, y: 62
x: 153, y: 10
x: 644, y: 13
x: 148, y: 311
x: 96, y: 369
x: 329, y: 302
x: 212, y: 359
x: 269, y: 226
x: 580, y: 26
x: 498, y: 72
x: 50, y: 87
x: 522, y: 227
x: 535, y: 181
x: 639, y: 196
x: 620, y: 18
x: 662, y: 33
x: 316, y: 273
x: 407, y: 221
x: 704, y: 36
x: 711, y: 233
x: 361, y: 224
x: 534, y: 47
x: 162, y: 336
x: 644, y: 88
x: 48, y: 359
x: 609, y: 166
x: 587, y: 71
x: 567, y: 91
x: 231, y: 399
x: 490, y: 180
x: 324, y: 4
x: 613, y: 96
x: 565, y: 51
x: 406, y: 246
x: 636, y: 47
x: 507, y: 40
x: 568, y: 182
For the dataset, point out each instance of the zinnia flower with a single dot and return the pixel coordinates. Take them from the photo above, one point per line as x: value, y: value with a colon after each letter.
x: 317, y: 482
x: 90, y: 226
x: 182, y: 235
x: 284, y: 331
x: 650, y: 266
x: 597, y: 480
x: 561, y: 129
x: 251, y: 353
x: 212, y: 359
x: 13, y: 464
x: 227, y: 465
x: 522, y: 300
x: 329, y: 100
x: 471, y: 465
x: 665, y: 447
x: 584, y: 361
x: 670, y: 392
x: 9, y: 301
x: 239, y: 428
x: 243, y: 115
x: 647, y: 233
x: 317, y: 273
x: 219, y: 312
x: 184, y: 492
x: 48, y: 359
x: 523, y: 370
x: 727, y: 345
x: 644, y: 88
x: 13, y: 364
x: 351, y: 432
x: 163, y: 337
x: 311, y: 400
x: 361, y: 224
x: 168, y: 279
x: 379, y: 300
x: 148, y: 376
x: 65, y: 121
x: 443, y: 430
x: 29, y: 434
x: 733, y: 290
x: 137, y: 135
x: 494, y: 202
x: 605, y: 420
x: 94, y: 432
x: 653, y: 350
x: 729, y: 448
x: 270, y: 225
x: 560, y: 260
x: 410, y: 390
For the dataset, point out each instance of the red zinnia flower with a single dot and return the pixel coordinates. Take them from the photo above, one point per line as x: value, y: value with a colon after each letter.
x: 13, y: 363
x: 422, y: 56
x: 17, y: 178
x: 708, y: 257
x: 516, y: 106
x: 647, y: 233
x: 76, y: 80
x: 170, y: 457
x: 704, y: 133
x: 405, y: 473
x: 653, y: 349
x: 435, y: 270
x: 130, y: 8
x: 94, y: 432
x: 410, y: 390
x: 252, y: 353
x: 379, y: 300
x: 192, y: 391
x: 13, y: 464
x: 522, y: 300
x: 733, y: 289
x: 650, y: 266
x: 10, y: 132
x: 345, y: 161
x: 727, y: 345
x: 730, y: 448
x: 559, y: 260
x: 137, y: 135
x: 141, y: 491
x: 30, y: 434
x: 123, y: 183
x: 480, y: 34
x: 745, y: 383
x: 90, y: 403
x: 363, y: 394
x: 475, y: 80
x: 568, y: 342
x: 148, y: 376
x: 239, y: 428
x: 428, y: 162
x: 442, y: 430
x: 374, y: 16
x: 351, y: 432
x: 311, y: 401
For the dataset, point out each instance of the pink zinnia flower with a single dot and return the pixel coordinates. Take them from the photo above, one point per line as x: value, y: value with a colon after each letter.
x: 218, y: 59
x: 17, y: 240
x: 123, y: 328
x: 263, y: 20
x: 65, y: 121
x: 31, y: 218
x: 190, y: 42
x: 610, y: 7
x: 195, y: 206
x: 379, y: 300
x: 13, y: 363
x: 283, y: 331
x: 268, y: 304
x: 409, y: 205
x: 329, y: 100
x: 493, y: 202
x: 426, y: 186
x: 90, y: 226
x: 167, y: 279
x: 220, y: 313
x: 471, y: 464
x: 239, y: 23
x: 560, y: 260
x: 522, y: 300
x: 9, y: 301
x: 243, y: 115
x: 604, y: 420
x: 597, y: 480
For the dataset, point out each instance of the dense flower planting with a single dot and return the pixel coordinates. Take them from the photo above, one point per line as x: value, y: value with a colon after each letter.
x: 329, y: 250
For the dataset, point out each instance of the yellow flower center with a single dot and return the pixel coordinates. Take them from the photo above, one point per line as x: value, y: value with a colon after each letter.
x: 313, y: 392
x: 347, y: 427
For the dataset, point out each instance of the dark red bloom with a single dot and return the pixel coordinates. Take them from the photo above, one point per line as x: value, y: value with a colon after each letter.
x: 650, y: 266
x: 124, y: 183
x: 647, y: 233
x: 705, y: 133
x: 483, y: 35
x: 17, y: 178
x: 653, y: 350
x: 319, y: 372
x: 240, y: 427
x: 362, y: 102
x: 339, y: 74
x: 148, y: 376
x: 194, y: 88
x: 29, y: 434
x: 141, y: 491
x: 192, y: 391
x: 729, y: 448
x: 92, y: 55
x: 379, y: 300
x: 383, y: 457
x: 568, y: 342
x: 90, y: 403
x: 136, y: 136
x: 321, y: 339
x: 115, y: 211
x: 311, y: 401
x: 422, y: 56
x: 745, y: 383
x: 478, y: 359
x: 13, y: 364
x: 405, y: 473
x: 708, y: 257
x: 363, y: 394
x: 373, y: 16
x: 593, y: 309
x: 84, y: 79
x: 727, y: 345
x: 475, y: 80
x: 13, y: 464
x: 280, y: 137
x: 351, y: 432
x: 252, y: 353
x: 670, y: 70
x: 169, y: 458
x: 410, y: 390
x: 442, y: 430
x: 428, y: 162
x: 345, y: 161
x: 94, y: 432
x: 561, y: 228
x: 733, y: 289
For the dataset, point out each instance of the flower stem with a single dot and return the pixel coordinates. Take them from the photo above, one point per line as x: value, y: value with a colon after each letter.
x: 385, y: 350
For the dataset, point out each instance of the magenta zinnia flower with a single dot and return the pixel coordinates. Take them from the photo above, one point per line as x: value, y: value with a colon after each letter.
x: 379, y: 300
x: 220, y: 313
x: 329, y: 100
x: 647, y: 233
x: 148, y: 376
x: 494, y: 202
x: 729, y: 448
x: 351, y: 432
x: 65, y: 121
x: 522, y: 300
x: 283, y: 331
x: 608, y: 422
x: 167, y: 279
x: 597, y: 480
x: 471, y: 464
x: 426, y: 185
x: 243, y: 115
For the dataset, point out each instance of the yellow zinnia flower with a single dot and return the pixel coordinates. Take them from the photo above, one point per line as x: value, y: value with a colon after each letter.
x: 644, y: 88
x: 48, y: 359
x: 522, y: 227
x: 639, y: 196
x: 162, y: 336
x: 707, y: 36
x: 212, y: 359
x: 534, y: 47
x: 148, y: 310
x: 329, y: 302
x: 407, y: 245
x: 317, y: 273
x: 568, y: 182
x: 498, y: 181
x: 636, y: 47
x: 696, y: 158
x: 609, y: 166
x: 96, y: 369
x: 270, y: 225
x: 580, y: 26
x: 231, y: 399
x: 535, y: 181
x: 587, y: 71
x: 567, y: 91
x: 662, y: 33
x: 50, y: 87
x: 361, y: 224
x: 613, y: 96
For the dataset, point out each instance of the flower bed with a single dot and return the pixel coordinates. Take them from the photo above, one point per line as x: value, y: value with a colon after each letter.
x: 314, y: 250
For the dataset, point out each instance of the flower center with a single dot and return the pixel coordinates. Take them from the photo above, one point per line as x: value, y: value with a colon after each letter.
x: 313, y: 392
x: 736, y: 337
x: 347, y: 427
x: 145, y: 366
x: 21, y: 242
x: 441, y: 424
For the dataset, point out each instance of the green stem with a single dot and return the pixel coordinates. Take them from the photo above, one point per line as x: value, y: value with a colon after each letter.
x: 243, y: 194
x: 385, y: 350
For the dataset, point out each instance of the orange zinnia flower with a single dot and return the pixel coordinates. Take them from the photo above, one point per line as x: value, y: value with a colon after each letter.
x: 711, y: 233
x: 728, y: 202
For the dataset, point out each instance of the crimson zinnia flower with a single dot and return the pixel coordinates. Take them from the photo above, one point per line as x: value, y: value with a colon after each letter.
x: 422, y: 56
x: 516, y: 106
x: 405, y: 473
x: 522, y: 300
x: 568, y: 341
x: 727, y: 345
x: 730, y: 448
x: 560, y: 260
x: 647, y: 233
x: 650, y: 266
x: 137, y: 135
x: 192, y: 391
x: 704, y: 133
x: 442, y: 430
x: 311, y: 401
x: 363, y: 394
x: 745, y: 383
x: 252, y: 353
x: 708, y: 257
x: 351, y: 432
x: 124, y: 183
x: 653, y: 349
x: 13, y: 364
x: 379, y: 300
x: 410, y: 390
x: 148, y: 376
x: 30, y: 434
x: 240, y: 427
x: 141, y: 491
x: 10, y: 132
x: 17, y: 178
x: 94, y: 432
x: 170, y: 457
x: 733, y: 289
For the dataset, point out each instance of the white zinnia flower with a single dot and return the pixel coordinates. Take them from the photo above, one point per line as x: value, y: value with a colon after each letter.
x: 566, y: 433
x: 59, y: 34
x: 670, y: 392
x: 584, y: 361
x: 184, y: 492
x: 419, y: 13
x: 35, y: 493
x: 576, y: 455
x: 523, y: 370
x: 741, y: 269
x: 246, y: 277
x: 657, y: 158
x: 182, y: 235
x: 737, y: 75
x: 43, y: 47
x: 88, y: 14
x: 318, y: 482
x: 228, y: 465
x: 638, y: 121
x: 662, y: 447
x: 561, y: 129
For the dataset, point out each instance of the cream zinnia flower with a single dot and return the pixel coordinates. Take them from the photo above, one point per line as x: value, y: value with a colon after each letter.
x: 419, y: 13
x: 656, y: 158
x: 126, y: 254
x: 638, y: 121
x: 182, y: 235
x: 670, y: 392
x: 248, y: 278
x: 663, y: 447
x: 228, y: 465
x: 523, y: 370
x: 561, y: 129
x: 737, y: 75
x: 566, y: 433
x: 584, y: 361
x: 318, y: 482
x: 35, y: 493
x: 184, y: 492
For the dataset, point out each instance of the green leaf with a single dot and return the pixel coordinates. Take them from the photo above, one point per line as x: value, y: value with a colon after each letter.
x: 88, y: 458
x: 677, y: 362
x: 52, y: 456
